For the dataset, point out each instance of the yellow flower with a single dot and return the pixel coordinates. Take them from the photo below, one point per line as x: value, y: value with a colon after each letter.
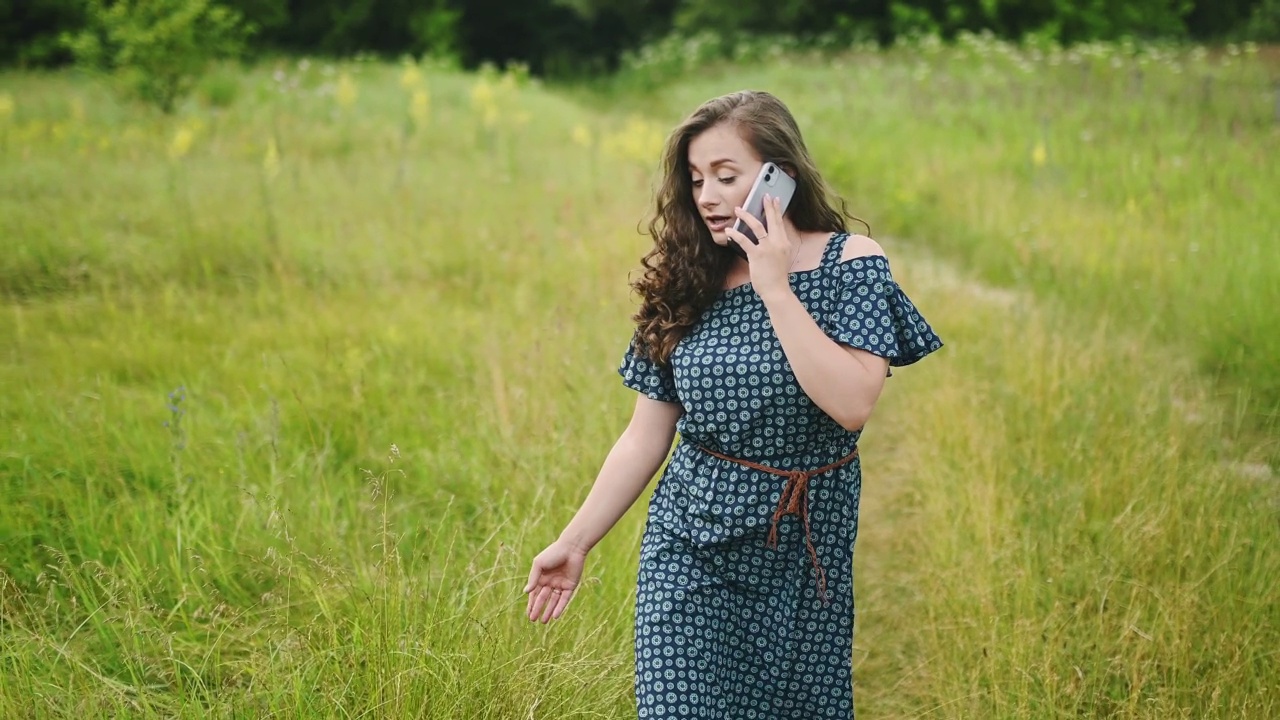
x: 411, y: 77
x: 181, y: 143
x: 582, y: 136
x: 638, y: 140
x: 1039, y: 155
x: 6, y: 106
x: 482, y: 94
x: 420, y: 107
x: 346, y: 92
x: 271, y: 161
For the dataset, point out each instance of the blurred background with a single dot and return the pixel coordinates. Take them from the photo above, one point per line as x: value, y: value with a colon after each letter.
x: 578, y: 38
x: 310, y: 317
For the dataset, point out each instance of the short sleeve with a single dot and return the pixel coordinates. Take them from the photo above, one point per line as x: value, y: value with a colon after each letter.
x: 646, y: 376
x: 872, y: 313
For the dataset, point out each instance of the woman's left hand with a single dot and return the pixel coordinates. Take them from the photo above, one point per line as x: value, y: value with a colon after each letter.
x: 770, y: 261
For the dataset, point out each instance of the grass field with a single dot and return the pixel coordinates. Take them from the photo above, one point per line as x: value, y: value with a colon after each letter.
x: 298, y: 381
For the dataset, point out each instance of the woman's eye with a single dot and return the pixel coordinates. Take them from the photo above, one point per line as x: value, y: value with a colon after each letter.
x: 697, y: 183
x: 728, y: 180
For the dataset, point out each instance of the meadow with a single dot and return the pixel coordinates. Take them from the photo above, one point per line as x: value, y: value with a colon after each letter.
x: 297, y: 382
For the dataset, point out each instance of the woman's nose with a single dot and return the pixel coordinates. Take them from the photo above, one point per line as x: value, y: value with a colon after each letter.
x: 707, y: 197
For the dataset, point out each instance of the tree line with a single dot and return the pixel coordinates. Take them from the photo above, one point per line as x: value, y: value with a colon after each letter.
x: 578, y: 37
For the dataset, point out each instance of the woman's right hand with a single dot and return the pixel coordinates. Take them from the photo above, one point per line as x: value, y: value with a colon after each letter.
x: 555, y: 575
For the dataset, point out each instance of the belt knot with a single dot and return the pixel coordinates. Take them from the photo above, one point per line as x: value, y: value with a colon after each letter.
x: 794, y: 501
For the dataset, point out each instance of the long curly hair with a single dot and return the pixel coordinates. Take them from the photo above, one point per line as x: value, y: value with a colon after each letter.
x: 685, y: 270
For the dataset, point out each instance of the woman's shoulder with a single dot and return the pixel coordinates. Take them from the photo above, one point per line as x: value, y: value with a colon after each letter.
x: 856, y: 246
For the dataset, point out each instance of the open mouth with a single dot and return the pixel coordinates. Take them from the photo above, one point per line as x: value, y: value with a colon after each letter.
x: 718, y: 223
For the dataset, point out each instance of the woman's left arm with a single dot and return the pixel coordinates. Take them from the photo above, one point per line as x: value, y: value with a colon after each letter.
x: 844, y: 381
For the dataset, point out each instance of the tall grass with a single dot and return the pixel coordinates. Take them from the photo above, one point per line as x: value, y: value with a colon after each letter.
x: 284, y: 429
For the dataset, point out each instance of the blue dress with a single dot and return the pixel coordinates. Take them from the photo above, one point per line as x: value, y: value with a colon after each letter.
x: 727, y: 627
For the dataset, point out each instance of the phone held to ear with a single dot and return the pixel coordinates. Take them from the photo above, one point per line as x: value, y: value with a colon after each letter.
x: 771, y: 181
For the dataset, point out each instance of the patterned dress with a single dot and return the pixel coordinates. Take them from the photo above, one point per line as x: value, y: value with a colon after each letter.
x: 727, y: 627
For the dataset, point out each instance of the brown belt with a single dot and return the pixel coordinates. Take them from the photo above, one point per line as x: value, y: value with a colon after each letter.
x: 794, y: 501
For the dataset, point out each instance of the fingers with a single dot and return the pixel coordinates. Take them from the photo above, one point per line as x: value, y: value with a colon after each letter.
x: 561, y: 604
x: 537, y: 601
x: 553, y: 598
x: 556, y: 599
x: 756, y: 226
x: 547, y: 603
x: 743, y: 241
x: 773, y: 211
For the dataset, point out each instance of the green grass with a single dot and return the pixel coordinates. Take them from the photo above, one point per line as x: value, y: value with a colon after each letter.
x: 1064, y: 516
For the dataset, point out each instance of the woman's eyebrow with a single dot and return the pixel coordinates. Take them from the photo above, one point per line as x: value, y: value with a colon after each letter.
x: 714, y: 163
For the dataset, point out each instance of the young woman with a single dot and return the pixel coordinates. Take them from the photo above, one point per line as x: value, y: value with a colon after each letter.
x: 768, y: 368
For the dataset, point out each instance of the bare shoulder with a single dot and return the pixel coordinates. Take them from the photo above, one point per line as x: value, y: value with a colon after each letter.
x: 860, y: 246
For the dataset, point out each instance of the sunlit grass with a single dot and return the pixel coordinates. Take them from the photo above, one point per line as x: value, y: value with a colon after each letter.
x: 219, y: 325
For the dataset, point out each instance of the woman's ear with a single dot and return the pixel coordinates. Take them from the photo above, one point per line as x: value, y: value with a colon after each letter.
x: 788, y: 169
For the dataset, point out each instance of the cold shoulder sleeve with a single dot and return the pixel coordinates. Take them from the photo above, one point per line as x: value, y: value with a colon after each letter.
x: 646, y: 376
x: 872, y: 313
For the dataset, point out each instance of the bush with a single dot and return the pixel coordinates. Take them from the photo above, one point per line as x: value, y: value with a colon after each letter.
x: 158, y: 48
x: 1264, y: 24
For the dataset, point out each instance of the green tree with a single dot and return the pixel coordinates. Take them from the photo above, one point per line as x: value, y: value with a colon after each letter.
x: 157, y: 48
x: 29, y: 30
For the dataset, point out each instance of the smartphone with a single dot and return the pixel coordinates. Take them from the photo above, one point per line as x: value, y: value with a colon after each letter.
x: 771, y: 181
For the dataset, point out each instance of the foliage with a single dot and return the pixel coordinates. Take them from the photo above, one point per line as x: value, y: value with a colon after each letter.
x: 30, y: 30
x: 578, y: 37
x: 158, y: 48
x: 435, y: 28
x: 1264, y: 23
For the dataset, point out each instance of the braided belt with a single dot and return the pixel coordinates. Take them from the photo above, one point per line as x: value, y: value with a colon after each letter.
x: 794, y: 501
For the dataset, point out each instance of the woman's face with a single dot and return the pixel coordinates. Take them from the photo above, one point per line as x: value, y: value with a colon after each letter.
x: 722, y: 166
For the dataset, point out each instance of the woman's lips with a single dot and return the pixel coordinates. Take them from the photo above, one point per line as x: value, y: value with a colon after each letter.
x: 718, y: 224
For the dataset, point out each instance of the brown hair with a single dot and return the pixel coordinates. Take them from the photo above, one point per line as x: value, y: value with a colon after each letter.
x: 685, y: 270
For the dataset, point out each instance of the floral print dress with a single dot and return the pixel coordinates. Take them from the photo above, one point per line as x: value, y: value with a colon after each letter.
x: 726, y: 625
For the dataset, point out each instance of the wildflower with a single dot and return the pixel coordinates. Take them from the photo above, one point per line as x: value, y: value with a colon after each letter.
x: 181, y: 144
x: 637, y: 140
x: 482, y: 94
x: 271, y: 160
x: 411, y: 77
x: 1039, y: 155
x: 420, y: 107
x: 346, y: 92
x: 484, y: 100
x: 6, y: 106
x: 582, y: 136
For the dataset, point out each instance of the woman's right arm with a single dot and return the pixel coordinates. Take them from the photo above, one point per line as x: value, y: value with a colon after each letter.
x: 633, y: 461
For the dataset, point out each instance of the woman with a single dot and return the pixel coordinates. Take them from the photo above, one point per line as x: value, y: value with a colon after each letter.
x: 768, y: 367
